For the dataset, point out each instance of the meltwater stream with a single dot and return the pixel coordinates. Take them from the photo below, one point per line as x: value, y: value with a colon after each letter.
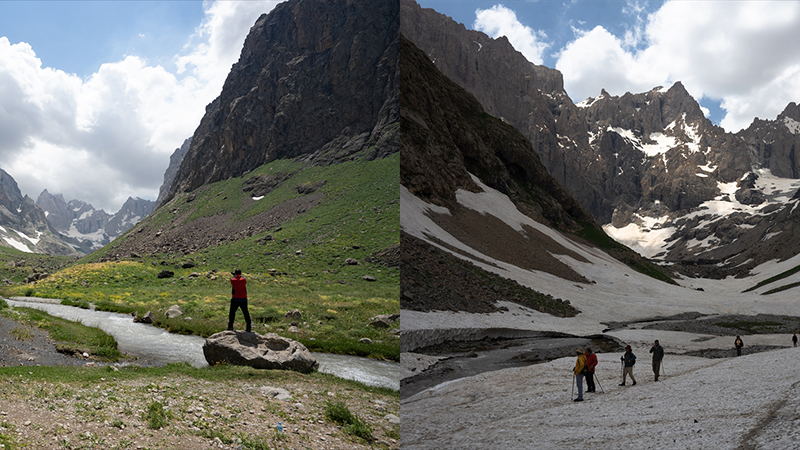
x: 155, y: 346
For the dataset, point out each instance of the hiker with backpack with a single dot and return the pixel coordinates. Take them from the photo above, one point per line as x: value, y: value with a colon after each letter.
x: 628, y: 361
x: 580, y: 371
x: 738, y: 344
x: 658, y: 354
x: 591, y: 363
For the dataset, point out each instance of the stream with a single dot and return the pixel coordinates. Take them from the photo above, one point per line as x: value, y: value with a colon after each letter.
x: 155, y: 346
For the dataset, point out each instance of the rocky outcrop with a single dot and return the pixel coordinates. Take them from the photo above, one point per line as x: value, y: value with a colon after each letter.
x: 775, y: 144
x: 268, y: 351
x: 175, y: 161
x: 315, y: 79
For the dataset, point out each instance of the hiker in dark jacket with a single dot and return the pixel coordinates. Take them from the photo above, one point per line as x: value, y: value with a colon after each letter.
x: 738, y: 344
x: 794, y: 339
x: 658, y: 354
x: 591, y: 363
x: 628, y: 360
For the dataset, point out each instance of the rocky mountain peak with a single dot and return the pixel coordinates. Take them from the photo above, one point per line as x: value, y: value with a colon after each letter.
x: 272, y: 108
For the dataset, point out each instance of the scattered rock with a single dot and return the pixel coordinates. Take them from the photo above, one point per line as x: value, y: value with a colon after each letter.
x: 166, y: 274
x: 369, y: 278
x: 276, y: 393
x: 188, y: 264
x: 147, y: 318
x: 293, y: 315
x: 173, y: 312
x: 392, y: 418
x: 351, y: 262
x: 379, y: 324
x: 365, y: 340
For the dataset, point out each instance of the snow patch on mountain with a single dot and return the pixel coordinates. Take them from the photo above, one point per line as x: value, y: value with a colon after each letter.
x: 792, y: 125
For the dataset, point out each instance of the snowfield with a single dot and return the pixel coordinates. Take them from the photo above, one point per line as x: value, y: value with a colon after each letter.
x: 745, y: 402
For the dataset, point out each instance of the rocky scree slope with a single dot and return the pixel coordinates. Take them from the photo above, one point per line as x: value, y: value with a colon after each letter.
x: 315, y: 79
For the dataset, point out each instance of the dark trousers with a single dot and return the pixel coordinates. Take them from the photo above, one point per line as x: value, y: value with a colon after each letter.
x: 236, y: 304
x: 590, y: 382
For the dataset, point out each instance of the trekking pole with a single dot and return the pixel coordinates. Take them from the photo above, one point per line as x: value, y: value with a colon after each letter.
x: 573, y: 388
x: 596, y: 378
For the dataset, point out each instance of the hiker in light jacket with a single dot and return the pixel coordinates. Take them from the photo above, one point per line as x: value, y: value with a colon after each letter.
x: 628, y: 360
x: 580, y: 372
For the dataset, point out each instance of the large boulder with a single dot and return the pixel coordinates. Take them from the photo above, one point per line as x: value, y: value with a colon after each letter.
x: 268, y: 351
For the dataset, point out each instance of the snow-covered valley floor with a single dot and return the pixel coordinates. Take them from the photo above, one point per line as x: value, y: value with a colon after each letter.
x: 732, y: 403
x: 746, y: 402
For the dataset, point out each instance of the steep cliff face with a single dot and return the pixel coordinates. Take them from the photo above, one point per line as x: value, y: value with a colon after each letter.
x: 529, y: 97
x: 316, y: 78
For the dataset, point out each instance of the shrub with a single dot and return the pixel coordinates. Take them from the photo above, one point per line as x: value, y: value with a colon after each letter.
x: 155, y: 416
x: 353, y: 425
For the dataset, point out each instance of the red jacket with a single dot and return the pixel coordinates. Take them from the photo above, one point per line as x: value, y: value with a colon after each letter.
x: 239, y: 286
x: 591, y: 362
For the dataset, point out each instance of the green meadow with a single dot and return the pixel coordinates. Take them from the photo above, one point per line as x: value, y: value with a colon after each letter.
x: 300, y: 266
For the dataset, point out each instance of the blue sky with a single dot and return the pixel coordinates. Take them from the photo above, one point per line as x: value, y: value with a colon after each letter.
x: 96, y: 95
x: 739, y: 59
x: 77, y: 37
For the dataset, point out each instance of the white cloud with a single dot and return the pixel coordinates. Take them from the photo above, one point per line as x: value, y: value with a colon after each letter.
x: 740, y: 53
x: 500, y: 21
x: 109, y: 136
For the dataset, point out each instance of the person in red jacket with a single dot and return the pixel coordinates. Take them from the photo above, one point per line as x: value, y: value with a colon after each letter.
x: 591, y: 363
x: 238, y: 299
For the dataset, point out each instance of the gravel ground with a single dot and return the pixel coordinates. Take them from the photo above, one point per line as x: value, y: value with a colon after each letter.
x: 200, y: 414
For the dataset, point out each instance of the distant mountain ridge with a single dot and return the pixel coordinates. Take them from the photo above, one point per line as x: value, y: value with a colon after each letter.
x: 86, y: 227
x: 24, y: 226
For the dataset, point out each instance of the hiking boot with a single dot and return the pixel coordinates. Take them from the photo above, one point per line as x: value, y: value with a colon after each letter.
x: 622, y: 384
x: 634, y: 384
x: 578, y: 400
x: 230, y: 329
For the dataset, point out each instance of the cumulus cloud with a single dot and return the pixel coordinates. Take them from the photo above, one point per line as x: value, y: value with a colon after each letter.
x: 108, y: 137
x: 739, y: 53
x: 500, y: 21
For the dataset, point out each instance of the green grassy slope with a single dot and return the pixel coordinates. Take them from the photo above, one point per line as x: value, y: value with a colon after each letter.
x: 302, y: 265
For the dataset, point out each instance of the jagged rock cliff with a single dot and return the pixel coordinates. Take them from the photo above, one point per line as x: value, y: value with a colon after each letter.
x: 529, y: 97
x: 316, y: 78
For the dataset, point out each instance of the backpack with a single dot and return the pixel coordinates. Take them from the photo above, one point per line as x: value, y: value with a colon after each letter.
x: 633, y: 359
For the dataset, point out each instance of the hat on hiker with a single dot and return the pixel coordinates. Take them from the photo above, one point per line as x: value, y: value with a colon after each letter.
x: 579, y: 351
x: 627, y: 347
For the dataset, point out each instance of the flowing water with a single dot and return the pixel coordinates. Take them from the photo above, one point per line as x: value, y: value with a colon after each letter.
x: 155, y: 346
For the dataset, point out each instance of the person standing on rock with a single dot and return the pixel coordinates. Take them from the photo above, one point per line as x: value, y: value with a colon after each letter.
x: 238, y: 299
x: 591, y: 363
x: 738, y: 344
x: 658, y: 354
x: 580, y: 372
x: 628, y: 360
